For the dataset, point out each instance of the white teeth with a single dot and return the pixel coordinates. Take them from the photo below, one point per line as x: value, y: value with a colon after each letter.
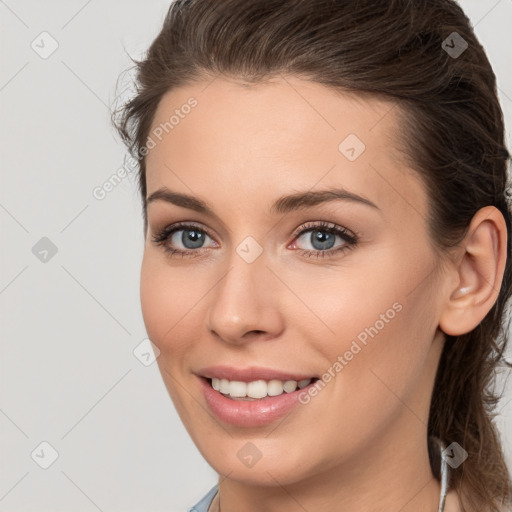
x: 237, y: 388
x: 257, y: 388
x: 275, y: 388
x: 290, y: 385
x: 224, y: 386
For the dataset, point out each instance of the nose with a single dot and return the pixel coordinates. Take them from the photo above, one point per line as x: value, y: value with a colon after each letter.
x: 244, y: 304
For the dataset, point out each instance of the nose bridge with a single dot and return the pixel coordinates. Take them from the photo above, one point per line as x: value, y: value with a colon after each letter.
x: 244, y: 299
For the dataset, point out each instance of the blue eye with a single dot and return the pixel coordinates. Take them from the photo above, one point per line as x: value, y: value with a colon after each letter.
x: 322, y: 238
x: 189, y: 236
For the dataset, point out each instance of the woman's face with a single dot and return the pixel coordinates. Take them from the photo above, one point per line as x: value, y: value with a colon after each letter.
x: 276, y: 279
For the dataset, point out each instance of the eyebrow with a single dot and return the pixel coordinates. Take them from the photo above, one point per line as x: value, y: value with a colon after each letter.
x: 284, y: 204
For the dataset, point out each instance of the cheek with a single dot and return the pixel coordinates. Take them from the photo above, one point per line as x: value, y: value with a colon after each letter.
x: 153, y: 298
x: 349, y: 306
x: 369, y: 387
x: 377, y: 335
x: 168, y: 311
x: 167, y: 301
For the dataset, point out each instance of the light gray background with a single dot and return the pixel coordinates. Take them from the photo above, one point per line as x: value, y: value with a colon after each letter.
x: 68, y: 375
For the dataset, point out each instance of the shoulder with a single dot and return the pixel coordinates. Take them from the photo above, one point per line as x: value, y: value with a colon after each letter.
x: 204, y: 503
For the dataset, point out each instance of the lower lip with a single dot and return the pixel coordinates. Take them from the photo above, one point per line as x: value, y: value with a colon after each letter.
x: 250, y: 413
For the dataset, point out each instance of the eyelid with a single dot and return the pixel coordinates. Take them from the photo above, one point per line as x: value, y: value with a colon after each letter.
x: 324, y: 226
x: 305, y: 226
x: 177, y: 226
x: 351, y: 238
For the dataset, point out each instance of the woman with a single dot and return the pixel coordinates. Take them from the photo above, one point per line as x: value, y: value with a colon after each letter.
x: 327, y: 257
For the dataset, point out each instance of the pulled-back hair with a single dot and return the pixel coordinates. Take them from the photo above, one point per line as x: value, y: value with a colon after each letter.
x: 451, y: 134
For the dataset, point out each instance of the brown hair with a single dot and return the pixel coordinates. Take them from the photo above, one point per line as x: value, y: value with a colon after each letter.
x: 452, y: 136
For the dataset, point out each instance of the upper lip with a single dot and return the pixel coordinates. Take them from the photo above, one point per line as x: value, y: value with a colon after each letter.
x: 250, y: 374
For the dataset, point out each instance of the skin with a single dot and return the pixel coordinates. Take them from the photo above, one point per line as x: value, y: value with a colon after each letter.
x: 360, y: 444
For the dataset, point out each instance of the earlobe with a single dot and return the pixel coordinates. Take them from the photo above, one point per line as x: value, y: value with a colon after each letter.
x: 479, y: 273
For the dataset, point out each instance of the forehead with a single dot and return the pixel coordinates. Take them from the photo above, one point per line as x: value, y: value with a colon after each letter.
x: 275, y: 136
x: 287, y: 110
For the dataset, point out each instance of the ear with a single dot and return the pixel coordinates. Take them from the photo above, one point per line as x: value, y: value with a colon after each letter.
x: 477, y: 273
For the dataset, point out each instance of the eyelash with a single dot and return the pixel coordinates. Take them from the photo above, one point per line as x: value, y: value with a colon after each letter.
x: 351, y: 239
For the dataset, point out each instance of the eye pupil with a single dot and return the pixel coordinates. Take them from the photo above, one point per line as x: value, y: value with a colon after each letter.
x: 325, y: 239
x: 192, y: 236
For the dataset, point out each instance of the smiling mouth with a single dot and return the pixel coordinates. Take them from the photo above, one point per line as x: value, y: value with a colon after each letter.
x: 257, y: 389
